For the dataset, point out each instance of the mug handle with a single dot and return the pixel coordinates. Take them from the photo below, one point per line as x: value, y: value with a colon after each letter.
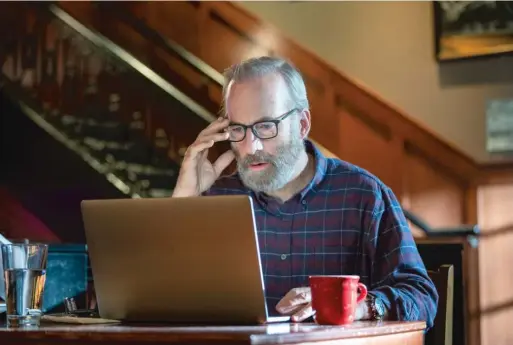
x: 362, y: 294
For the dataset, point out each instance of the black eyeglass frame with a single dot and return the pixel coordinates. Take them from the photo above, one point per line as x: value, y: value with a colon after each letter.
x: 275, y: 121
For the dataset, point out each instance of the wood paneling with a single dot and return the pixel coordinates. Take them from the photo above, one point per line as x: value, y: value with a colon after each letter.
x: 223, y: 45
x: 495, y: 260
x: 434, y: 195
x: 361, y: 145
x: 175, y: 22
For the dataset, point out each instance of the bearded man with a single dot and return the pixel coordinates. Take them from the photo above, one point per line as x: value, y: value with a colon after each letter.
x: 314, y: 215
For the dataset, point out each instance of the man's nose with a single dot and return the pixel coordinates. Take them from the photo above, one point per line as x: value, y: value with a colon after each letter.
x: 251, y: 143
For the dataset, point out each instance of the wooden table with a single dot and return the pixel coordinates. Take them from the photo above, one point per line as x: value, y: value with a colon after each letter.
x: 359, y: 333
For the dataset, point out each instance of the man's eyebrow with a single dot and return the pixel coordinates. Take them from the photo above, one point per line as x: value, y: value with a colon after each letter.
x: 264, y: 118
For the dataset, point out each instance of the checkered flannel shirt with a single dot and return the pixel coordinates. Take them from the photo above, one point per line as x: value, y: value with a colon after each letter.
x: 346, y: 221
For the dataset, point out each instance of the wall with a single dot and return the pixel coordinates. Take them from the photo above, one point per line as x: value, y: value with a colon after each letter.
x: 495, y: 258
x: 387, y: 47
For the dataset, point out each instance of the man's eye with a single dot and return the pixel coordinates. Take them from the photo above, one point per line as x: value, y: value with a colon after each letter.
x: 265, y: 126
x: 235, y: 129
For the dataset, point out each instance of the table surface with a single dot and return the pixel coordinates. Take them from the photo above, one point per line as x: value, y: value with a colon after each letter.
x: 278, y: 333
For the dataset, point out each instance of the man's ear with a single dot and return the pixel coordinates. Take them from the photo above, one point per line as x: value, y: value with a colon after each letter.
x: 305, y: 123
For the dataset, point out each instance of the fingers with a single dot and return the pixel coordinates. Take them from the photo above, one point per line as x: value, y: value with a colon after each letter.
x: 208, y: 137
x: 294, y: 300
x: 214, y: 127
x: 223, y: 161
x: 303, y: 314
x: 216, y: 137
x: 205, y: 143
x: 196, y: 148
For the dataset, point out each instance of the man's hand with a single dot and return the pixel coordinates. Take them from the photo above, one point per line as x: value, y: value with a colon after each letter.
x: 363, y: 311
x: 197, y: 173
x: 297, y: 303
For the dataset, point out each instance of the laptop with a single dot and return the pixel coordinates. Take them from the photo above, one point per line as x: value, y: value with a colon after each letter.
x: 181, y: 260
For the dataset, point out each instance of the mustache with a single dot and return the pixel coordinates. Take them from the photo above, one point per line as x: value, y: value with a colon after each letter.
x: 258, y: 157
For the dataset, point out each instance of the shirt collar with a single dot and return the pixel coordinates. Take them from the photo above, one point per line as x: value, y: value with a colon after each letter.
x: 321, y: 166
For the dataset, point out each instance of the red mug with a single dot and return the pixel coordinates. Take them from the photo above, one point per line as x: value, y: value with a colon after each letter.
x: 334, y: 298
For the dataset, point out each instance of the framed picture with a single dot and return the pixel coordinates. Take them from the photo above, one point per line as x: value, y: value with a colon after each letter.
x: 469, y: 29
x: 499, y: 126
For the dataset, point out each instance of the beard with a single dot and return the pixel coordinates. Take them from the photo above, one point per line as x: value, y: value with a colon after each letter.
x: 280, y: 169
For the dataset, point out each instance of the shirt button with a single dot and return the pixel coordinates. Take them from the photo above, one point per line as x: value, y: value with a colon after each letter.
x: 283, y: 256
x: 303, y: 202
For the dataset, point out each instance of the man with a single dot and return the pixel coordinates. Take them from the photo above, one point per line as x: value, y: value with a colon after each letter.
x: 314, y: 215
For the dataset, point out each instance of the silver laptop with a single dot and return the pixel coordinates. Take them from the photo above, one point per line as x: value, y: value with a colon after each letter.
x: 186, y: 260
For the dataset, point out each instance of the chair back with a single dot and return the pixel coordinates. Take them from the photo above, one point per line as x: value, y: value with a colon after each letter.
x: 441, y: 332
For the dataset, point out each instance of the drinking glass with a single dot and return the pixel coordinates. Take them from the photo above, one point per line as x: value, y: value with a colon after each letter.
x: 25, y: 275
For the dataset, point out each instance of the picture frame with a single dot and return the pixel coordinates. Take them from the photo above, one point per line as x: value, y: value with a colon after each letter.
x: 499, y: 126
x: 472, y: 29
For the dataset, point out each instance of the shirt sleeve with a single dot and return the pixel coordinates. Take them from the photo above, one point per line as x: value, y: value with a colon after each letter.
x: 399, y: 277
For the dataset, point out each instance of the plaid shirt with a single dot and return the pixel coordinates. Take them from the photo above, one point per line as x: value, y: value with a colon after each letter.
x: 346, y: 221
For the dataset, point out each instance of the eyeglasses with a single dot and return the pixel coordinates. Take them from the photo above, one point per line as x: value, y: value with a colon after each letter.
x: 264, y: 130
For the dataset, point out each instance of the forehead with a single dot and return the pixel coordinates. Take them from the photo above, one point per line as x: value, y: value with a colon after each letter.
x: 253, y: 99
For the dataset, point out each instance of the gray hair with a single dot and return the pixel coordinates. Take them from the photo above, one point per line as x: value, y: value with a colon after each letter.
x: 265, y: 65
